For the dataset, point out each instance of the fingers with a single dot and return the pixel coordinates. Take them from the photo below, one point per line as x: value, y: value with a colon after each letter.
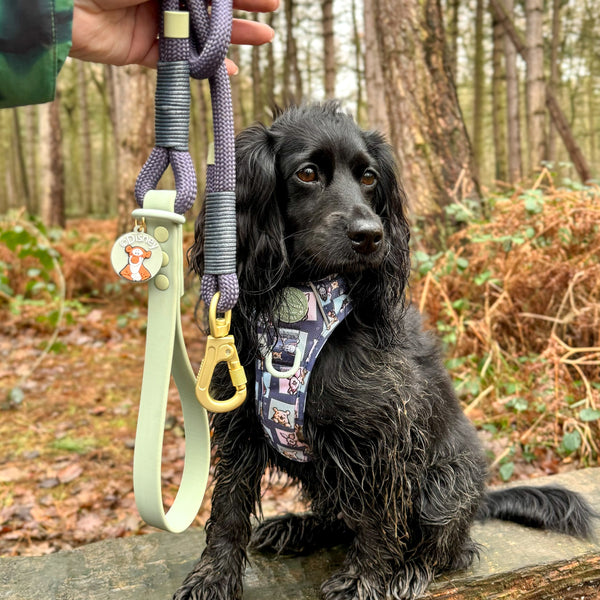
x: 112, y: 4
x: 151, y: 58
x: 232, y: 68
x: 250, y: 32
x: 256, y: 5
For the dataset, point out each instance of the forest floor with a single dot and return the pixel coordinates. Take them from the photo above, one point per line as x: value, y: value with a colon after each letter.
x: 509, y: 307
x: 66, y: 444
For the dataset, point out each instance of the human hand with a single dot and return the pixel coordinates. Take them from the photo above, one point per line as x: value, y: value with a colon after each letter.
x: 122, y: 32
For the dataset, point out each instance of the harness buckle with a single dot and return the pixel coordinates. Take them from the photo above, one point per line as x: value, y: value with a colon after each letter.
x: 220, y: 347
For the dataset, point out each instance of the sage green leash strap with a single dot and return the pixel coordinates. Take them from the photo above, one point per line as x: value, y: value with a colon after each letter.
x: 166, y: 354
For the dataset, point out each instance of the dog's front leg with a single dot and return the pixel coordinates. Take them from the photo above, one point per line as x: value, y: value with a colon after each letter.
x: 241, y: 462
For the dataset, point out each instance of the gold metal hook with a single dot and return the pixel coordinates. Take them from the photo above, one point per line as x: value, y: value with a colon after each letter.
x: 220, y: 347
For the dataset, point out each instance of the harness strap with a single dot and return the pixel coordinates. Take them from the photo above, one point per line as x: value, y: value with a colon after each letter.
x: 307, y: 317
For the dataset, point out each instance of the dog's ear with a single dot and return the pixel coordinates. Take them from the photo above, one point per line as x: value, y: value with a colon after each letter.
x: 388, y: 289
x: 262, y: 256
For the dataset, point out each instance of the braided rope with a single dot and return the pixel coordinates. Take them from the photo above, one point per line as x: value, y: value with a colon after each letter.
x: 179, y: 58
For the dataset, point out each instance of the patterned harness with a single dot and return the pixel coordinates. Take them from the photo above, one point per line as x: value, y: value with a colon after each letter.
x: 308, y: 315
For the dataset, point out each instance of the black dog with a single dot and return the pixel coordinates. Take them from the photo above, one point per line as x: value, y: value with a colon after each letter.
x: 397, y: 472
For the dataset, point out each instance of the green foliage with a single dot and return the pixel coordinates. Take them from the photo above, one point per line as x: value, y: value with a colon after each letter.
x: 589, y: 414
x: 30, y: 248
x: 76, y: 445
x: 467, y: 211
x: 424, y: 262
x: 571, y: 441
x: 506, y: 470
x: 533, y: 201
x: 5, y: 288
x: 34, y: 279
x: 518, y: 404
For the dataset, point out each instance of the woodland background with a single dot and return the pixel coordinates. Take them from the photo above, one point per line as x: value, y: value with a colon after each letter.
x: 492, y: 108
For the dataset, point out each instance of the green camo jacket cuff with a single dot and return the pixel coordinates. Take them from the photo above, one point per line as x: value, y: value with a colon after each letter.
x: 35, y: 39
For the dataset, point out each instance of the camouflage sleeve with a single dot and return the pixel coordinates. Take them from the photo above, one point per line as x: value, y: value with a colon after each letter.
x: 35, y: 39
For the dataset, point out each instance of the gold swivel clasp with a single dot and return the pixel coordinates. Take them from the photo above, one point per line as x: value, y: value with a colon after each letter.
x: 220, y: 347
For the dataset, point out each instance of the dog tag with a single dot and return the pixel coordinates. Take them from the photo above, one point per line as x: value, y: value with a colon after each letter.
x: 136, y: 256
x: 294, y: 306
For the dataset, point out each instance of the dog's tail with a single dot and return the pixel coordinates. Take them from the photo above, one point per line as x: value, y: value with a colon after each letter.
x: 548, y: 507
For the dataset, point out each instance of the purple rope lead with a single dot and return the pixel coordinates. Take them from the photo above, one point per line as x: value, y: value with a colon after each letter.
x: 211, y: 33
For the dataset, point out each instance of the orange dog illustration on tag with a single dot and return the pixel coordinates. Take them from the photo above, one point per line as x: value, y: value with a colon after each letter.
x: 134, y: 269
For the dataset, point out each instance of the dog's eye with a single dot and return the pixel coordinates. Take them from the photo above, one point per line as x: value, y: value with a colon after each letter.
x: 308, y: 175
x: 368, y: 178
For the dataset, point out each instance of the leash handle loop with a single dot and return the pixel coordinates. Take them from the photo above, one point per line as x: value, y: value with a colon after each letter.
x: 166, y: 355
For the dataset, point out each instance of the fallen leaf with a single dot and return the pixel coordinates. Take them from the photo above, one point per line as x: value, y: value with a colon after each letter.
x: 11, y: 474
x: 48, y: 482
x: 70, y: 472
x: 87, y: 523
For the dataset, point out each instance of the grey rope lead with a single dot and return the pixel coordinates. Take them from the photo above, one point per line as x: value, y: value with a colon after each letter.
x: 219, y: 233
x: 172, y: 115
x: 178, y: 59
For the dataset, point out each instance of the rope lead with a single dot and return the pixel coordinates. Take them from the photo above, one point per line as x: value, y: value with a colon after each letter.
x: 180, y: 58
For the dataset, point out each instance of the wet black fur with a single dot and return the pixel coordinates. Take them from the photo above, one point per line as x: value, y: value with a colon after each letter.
x: 398, y: 473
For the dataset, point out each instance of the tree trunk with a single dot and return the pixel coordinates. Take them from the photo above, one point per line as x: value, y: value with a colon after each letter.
x: 478, y: 88
x: 109, y: 132
x: 75, y: 195
x: 134, y: 91
x: 270, y: 79
x: 499, y: 103
x: 453, y: 7
x: 89, y: 187
x: 5, y: 182
x: 513, y: 111
x: 556, y: 113
x: 239, y: 118
x: 258, y: 104
x: 554, y: 75
x: 376, y: 108
x: 292, y: 78
x: 592, y: 114
x: 427, y: 128
x: 575, y: 579
x: 32, y: 143
x: 358, y: 54
x: 328, y: 48
x: 53, y: 202
x: 536, y: 112
x: 21, y: 179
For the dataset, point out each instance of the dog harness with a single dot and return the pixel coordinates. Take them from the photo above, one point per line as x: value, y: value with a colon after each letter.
x: 307, y: 317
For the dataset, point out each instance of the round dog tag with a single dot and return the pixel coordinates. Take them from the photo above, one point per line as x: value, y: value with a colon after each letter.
x: 136, y: 256
x: 293, y: 307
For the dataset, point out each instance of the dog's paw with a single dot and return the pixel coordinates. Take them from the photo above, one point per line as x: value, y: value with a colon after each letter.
x: 410, y: 581
x: 297, y: 534
x: 209, y: 584
x: 202, y: 591
x: 284, y: 535
x: 465, y: 558
x: 350, y: 585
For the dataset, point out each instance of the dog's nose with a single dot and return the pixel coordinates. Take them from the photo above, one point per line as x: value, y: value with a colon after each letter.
x: 366, y: 235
